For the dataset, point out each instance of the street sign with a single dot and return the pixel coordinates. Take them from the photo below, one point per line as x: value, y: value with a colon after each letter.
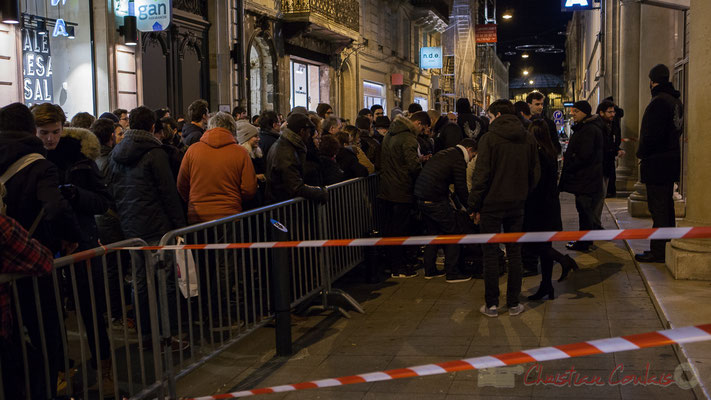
x: 558, y: 117
x: 152, y: 15
x: 485, y: 33
x: 577, y: 5
x: 430, y: 57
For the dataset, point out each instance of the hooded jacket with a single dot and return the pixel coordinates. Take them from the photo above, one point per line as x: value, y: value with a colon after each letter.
x: 74, y: 157
x: 507, y: 167
x: 35, y: 187
x: 582, y: 162
x: 662, y: 126
x: 449, y: 136
x: 142, y: 184
x: 285, y: 170
x: 215, y: 177
x: 470, y: 125
x: 399, y: 162
x: 191, y: 133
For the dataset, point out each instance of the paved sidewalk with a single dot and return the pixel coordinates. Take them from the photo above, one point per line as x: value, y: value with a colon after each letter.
x: 414, y: 321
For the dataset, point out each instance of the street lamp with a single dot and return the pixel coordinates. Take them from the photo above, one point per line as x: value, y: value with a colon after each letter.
x: 525, y: 72
x: 530, y: 82
x: 507, y: 15
x: 524, y: 55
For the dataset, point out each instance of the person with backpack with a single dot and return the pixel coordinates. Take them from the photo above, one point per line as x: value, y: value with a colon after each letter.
x: 32, y: 197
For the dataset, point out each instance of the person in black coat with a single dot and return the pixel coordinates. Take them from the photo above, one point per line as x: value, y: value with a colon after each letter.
x: 347, y: 158
x: 445, y: 168
x: 449, y: 135
x: 268, y: 130
x: 147, y: 200
x: 331, y: 172
x: 582, y: 170
x: 660, y: 154
x: 285, y: 163
x: 542, y: 212
x: 470, y: 124
x: 33, y: 195
x: 616, y: 129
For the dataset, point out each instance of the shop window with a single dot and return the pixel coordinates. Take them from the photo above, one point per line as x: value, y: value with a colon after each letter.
x: 374, y: 93
x: 57, y: 65
x: 423, y: 102
x: 305, y: 85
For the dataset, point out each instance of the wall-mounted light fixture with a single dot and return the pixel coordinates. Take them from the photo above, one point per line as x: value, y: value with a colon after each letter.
x: 10, y: 10
x: 128, y: 30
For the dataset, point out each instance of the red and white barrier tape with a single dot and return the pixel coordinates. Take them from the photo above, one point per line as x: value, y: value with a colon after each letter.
x: 688, y: 334
x: 528, y: 237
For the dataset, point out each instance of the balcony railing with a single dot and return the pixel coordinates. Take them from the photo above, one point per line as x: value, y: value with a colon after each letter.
x: 342, y: 12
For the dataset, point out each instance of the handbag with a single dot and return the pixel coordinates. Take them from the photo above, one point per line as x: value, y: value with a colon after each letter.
x: 186, y: 271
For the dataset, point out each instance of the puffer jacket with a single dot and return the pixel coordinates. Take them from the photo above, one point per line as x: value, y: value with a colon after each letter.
x: 507, y: 167
x: 142, y: 184
x: 582, y: 163
x: 285, y: 171
x: 74, y: 157
x: 659, y: 137
x: 443, y: 169
x: 400, y: 163
x: 34, y: 188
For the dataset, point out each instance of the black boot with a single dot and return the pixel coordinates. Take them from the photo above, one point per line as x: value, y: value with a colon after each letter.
x: 568, y: 264
x: 543, y: 291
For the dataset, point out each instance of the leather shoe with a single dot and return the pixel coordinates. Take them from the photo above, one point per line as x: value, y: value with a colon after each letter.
x: 649, y: 257
x: 577, y: 246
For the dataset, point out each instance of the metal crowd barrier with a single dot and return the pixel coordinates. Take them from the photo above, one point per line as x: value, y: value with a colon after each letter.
x: 234, y: 287
x: 93, y: 305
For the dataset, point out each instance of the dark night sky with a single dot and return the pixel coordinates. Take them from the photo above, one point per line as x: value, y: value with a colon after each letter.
x: 534, y: 22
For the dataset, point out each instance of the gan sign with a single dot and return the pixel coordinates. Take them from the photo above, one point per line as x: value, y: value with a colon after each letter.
x: 152, y: 15
x: 430, y: 57
x: 576, y: 5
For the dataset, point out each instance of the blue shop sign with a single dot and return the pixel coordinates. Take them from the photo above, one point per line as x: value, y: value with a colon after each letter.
x: 430, y: 57
x: 577, y: 5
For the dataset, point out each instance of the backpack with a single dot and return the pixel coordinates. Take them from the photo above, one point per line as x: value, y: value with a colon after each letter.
x: 16, y: 167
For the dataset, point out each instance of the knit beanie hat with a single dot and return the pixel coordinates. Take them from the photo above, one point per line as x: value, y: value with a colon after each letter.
x: 382, y: 122
x: 583, y: 106
x: 659, y: 74
x: 245, y: 131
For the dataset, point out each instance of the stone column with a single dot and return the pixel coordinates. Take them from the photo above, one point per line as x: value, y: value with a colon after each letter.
x: 691, y: 259
x: 628, y: 99
x: 656, y: 44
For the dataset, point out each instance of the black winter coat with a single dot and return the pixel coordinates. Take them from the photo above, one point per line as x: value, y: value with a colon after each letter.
x: 543, y: 204
x: 74, y: 157
x: 267, y: 139
x: 449, y: 136
x: 331, y: 172
x: 35, y: 187
x: 285, y: 171
x: 552, y: 130
x: 445, y: 168
x: 400, y: 164
x: 142, y: 184
x: 507, y: 167
x: 312, y: 166
x: 659, y: 137
x: 348, y: 161
x: 582, y: 163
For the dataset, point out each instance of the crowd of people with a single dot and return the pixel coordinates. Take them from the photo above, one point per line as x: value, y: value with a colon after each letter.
x: 141, y: 173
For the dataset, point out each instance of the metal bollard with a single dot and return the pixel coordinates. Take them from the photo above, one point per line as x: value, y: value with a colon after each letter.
x: 281, y: 289
x: 372, y: 261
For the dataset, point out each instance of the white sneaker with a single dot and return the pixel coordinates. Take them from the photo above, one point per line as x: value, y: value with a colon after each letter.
x: 516, y: 310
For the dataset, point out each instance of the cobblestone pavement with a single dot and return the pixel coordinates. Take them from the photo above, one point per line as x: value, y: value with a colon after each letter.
x: 413, y: 321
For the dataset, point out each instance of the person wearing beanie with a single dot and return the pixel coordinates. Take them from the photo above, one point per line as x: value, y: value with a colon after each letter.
x: 380, y: 128
x: 369, y: 145
x: 285, y: 163
x: 111, y: 116
x: 582, y: 169
x: 659, y: 152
